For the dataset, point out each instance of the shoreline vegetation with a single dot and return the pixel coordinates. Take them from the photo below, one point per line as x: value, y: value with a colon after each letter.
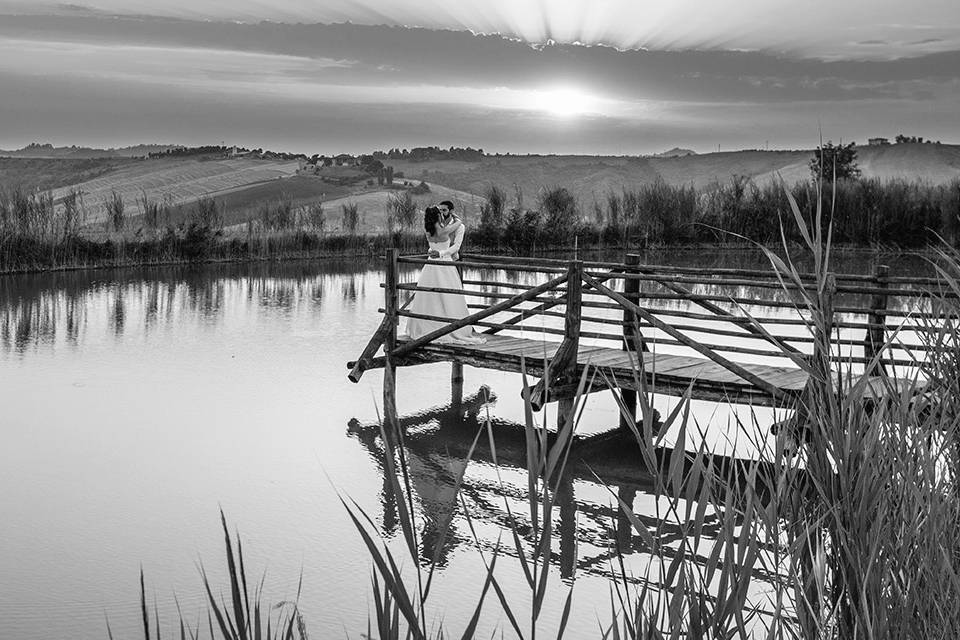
x: 851, y: 536
x: 39, y: 233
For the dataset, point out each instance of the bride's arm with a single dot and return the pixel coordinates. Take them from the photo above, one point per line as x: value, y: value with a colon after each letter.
x: 433, y: 253
x: 450, y: 229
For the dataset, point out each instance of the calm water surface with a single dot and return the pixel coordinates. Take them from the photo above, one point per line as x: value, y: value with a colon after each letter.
x: 135, y: 404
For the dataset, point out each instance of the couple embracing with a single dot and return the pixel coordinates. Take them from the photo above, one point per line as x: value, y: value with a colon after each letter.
x: 445, y: 232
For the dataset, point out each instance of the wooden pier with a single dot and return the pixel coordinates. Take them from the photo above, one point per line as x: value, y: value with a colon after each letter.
x: 731, y: 335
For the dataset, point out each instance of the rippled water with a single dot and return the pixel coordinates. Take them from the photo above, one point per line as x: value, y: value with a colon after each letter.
x: 134, y: 404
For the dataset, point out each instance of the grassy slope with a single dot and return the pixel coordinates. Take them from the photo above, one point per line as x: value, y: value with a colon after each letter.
x: 372, y: 206
x: 244, y: 204
x: 175, y: 179
x: 30, y: 174
x: 592, y: 177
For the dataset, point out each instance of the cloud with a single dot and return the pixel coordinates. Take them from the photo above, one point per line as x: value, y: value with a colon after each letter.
x: 355, y: 85
x: 773, y: 25
x: 391, y: 56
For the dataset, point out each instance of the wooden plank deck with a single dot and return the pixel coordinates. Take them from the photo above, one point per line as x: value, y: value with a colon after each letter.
x: 666, y: 373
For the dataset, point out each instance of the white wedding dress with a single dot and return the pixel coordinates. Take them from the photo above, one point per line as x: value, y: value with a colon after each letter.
x: 452, y: 306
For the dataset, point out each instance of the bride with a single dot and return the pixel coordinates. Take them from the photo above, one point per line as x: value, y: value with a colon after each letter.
x: 451, y: 306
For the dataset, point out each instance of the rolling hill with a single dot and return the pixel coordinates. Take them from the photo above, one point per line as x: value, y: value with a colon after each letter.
x: 242, y: 185
x: 172, y: 180
x: 590, y: 178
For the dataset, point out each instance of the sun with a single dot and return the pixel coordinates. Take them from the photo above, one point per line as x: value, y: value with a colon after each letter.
x: 564, y: 102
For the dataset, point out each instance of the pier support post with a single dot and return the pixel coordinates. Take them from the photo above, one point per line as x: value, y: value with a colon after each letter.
x: 624, y: 527
x: 571, y: 335
x: 633, y: 342
x: 565, y: 498
x: 391, y: 423
x: 456, y: 388
x: 874, y: 340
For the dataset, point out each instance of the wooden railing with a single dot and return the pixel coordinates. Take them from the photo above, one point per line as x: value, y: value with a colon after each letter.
x: 876, y: 319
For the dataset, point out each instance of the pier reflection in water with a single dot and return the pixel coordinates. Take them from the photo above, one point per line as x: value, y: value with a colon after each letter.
x: 593, y: 534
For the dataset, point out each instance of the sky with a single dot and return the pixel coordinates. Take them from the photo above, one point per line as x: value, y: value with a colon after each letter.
x: 521, y: 76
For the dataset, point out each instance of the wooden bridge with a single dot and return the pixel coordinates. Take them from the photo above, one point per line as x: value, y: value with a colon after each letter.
x: 733, y: 335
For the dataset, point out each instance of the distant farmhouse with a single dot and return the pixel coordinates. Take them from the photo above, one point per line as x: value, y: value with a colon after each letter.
x: 238, y: 152
x: 878, y: 142
x: 346, y: 169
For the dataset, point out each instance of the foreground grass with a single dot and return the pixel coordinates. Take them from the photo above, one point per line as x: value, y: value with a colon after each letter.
x: 854, y: 538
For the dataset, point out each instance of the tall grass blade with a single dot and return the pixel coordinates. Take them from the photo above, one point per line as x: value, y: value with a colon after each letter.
x: 504, y: 604
x: 227, y: 632
x: 143, y: 607
x: 109, y: 631
x: 235, y: 591
x: 387, y: 569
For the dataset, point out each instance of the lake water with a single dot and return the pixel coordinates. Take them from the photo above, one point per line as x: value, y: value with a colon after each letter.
x: 134, y: 404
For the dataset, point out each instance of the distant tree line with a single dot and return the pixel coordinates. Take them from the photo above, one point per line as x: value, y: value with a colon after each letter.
x: 181, y: 152
x: 219, y: 150
x: 902, y: 139
x: 423, y: 154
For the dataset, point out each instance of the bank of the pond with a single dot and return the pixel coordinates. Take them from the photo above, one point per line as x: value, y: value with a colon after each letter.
x: 201, y: 245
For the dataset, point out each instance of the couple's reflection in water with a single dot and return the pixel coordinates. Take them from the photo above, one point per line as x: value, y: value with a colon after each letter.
x: 591, y: 530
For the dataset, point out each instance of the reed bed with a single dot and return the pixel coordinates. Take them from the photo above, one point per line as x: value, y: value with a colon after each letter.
x: 191, y: 243
x: 864, y: 212
x: 38, y: 233
x: 844, y: 529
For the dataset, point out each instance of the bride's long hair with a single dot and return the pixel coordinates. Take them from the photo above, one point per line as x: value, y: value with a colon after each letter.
x: 431, y: 216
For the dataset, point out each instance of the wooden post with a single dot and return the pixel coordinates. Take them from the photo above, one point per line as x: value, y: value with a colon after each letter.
x: 566, y: 498
x: 632, y: 341
x: 571, y: 335
x: 390, y: 343
x: 456, y: 388
x: 874, y: 340
x: 624, y: 527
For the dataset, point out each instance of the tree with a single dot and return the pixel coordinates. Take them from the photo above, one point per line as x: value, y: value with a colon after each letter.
x: 831, y: 161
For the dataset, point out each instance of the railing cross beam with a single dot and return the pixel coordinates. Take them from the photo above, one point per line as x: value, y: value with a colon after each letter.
x: 733, y: 367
